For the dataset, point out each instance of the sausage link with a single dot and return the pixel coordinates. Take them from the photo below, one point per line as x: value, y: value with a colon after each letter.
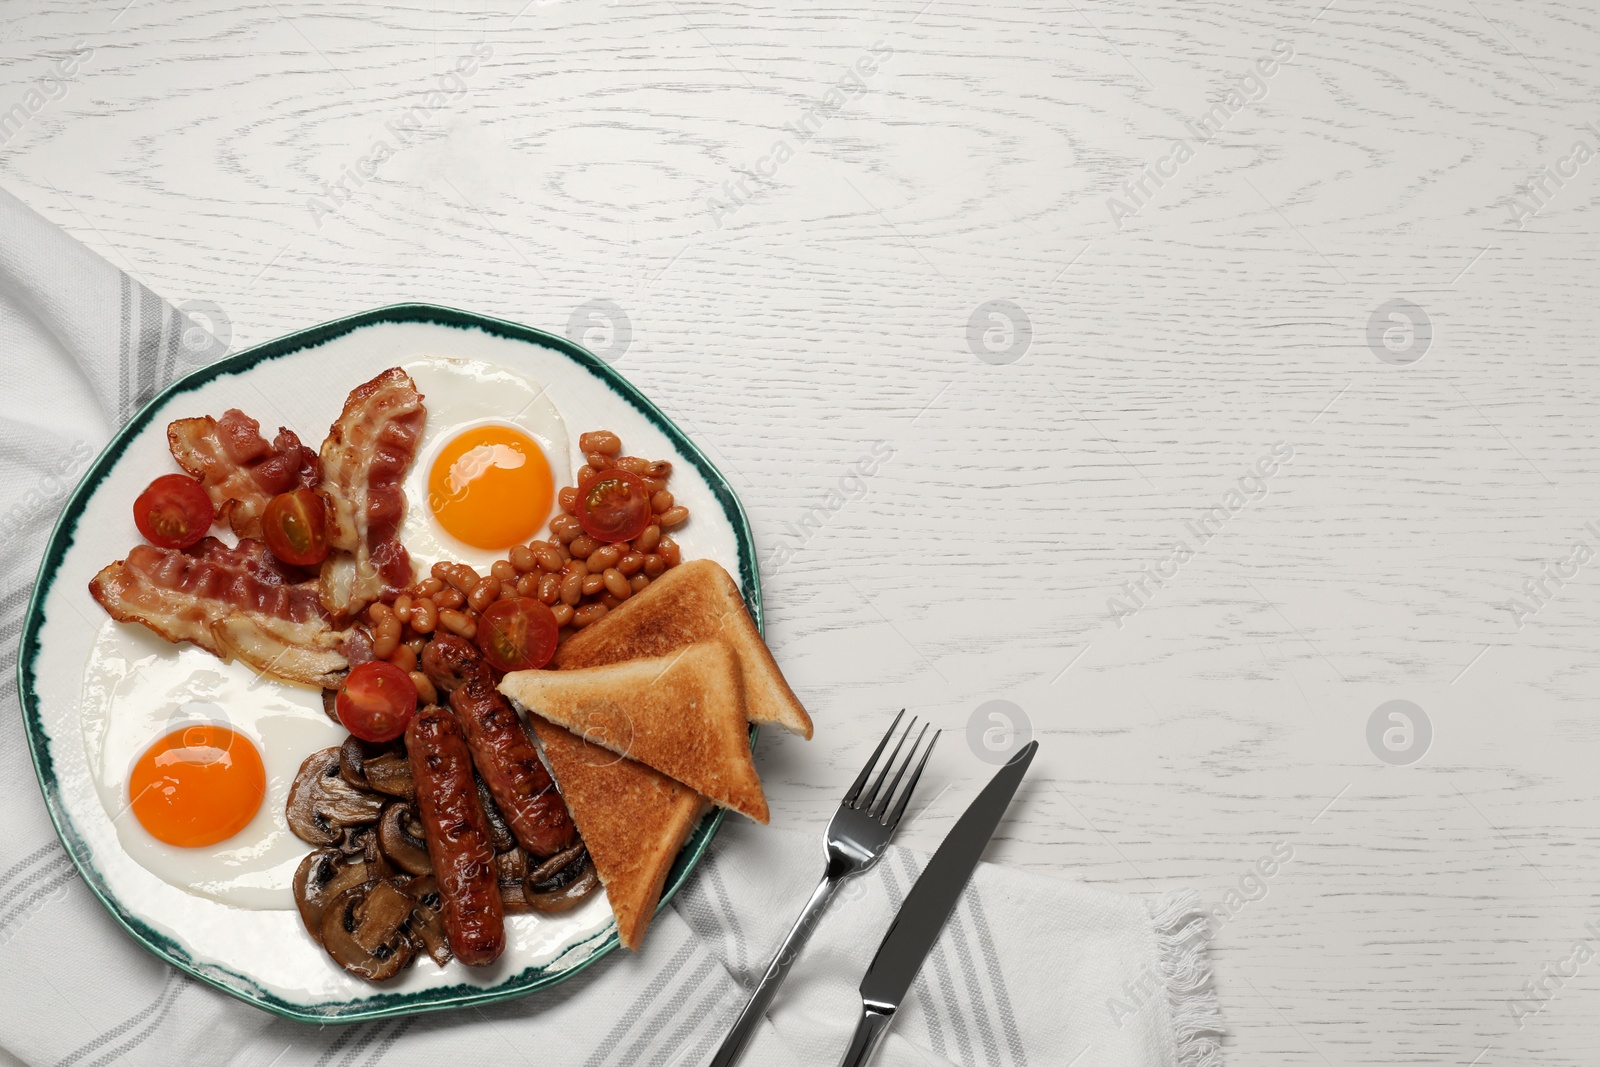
x: 510, y: 767
x: 457, y: 833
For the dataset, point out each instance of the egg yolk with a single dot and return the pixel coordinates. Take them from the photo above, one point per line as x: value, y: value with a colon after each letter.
x: 197, y: 786
x: 490, y: 486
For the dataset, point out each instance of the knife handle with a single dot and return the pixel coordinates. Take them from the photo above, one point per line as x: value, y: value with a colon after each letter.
x: 777, y: 971
x: 874, y: 1024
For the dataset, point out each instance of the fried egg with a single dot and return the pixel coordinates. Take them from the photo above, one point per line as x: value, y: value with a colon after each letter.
x: 193, y: 758
x: 492, y: 456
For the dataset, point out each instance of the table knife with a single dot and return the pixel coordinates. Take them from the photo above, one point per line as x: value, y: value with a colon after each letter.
x: 917, y: 925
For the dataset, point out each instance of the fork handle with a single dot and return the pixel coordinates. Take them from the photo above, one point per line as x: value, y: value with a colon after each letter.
x: 777, y: 971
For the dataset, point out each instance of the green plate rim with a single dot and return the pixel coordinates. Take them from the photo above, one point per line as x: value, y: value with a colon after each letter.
x: 380, y: 1005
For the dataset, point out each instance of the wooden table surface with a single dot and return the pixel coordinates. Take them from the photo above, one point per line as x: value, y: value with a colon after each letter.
x: 1079, y: 272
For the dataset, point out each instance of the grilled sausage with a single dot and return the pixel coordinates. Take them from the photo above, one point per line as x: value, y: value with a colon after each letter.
x: 511, y: 767
x: 449, y: 661
x: 457, y: 833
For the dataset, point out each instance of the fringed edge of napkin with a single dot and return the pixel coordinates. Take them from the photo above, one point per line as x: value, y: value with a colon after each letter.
x: 1182, y: 933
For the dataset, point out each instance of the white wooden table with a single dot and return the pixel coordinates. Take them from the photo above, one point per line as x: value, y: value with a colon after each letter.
x: 1163, y: 344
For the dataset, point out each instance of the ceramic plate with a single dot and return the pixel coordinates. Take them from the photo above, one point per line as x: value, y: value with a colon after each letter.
x: 265, y: 957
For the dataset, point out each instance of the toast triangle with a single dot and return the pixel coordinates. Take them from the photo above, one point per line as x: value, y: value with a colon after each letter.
x: 633, y: 820
x: 694, y: 601
x: 681, y: 714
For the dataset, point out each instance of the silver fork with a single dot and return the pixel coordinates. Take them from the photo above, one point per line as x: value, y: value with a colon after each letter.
x: 857, y: 837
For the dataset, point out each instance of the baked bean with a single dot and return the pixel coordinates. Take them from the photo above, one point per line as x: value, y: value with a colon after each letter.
x: 426, y: 693
x: 404, y: 658
x: 549, y: 589
x: 503, y: 571
x: 616, y: 584
x: 638, y: 582
x: 654, y: 565
x: 661, y: 501
x: 528, y: 585
x: 574, y: 566
x: 654, y: 485
x: 630, y: 564
x: 508, y: 590
x: 608, y: 601
x: 593, y: 584
x: 402, y: 608
x: 378, y: 611
x: 523, y: 558
x: 585, y: 473
x: 568, y: 498
x: 386, y: 636
x: 602, y: 559
x: 562, y: 613
x: 440, y: 571
x: 571, y: 590
x: 463, y: 578
x: 450, y: 598
x: 602, y: 441
x: 673, y: 516
x: 598, y: 460
x: 416, y: 643
x: 646, y: 542
x: 424, y: 616
x: 550, y: 559
x: 482, y: 593
x: 457, y: 623
x: 668, y: 550
x: 562, y: 550
x: 565, y: 527
x: 587, y: 614
x: 582, y: 546
x: 430, y: 586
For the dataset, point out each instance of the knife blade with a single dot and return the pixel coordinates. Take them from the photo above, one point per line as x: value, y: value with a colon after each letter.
x: 916, y: 927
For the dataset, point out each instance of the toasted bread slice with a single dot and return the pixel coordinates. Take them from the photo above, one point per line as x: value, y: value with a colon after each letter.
x: 633, y: 821
x: 682, y: 714
x: 694, y: 601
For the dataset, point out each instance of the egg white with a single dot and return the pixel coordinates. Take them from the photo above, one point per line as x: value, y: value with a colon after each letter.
x: 460, y: 394
x: 138, y: 688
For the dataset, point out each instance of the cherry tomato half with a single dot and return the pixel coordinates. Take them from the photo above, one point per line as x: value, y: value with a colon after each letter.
x: 517, y: 634
x: 614, y: 506
x: 376, y: 701
x: 294, y: 525
x: 173, y: 511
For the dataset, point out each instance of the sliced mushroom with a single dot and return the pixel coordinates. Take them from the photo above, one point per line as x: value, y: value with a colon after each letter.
x: 513, y: 871
x: 322, y: 804
x: 365, y: 915
x: 329, y: 705
x: 426, y: 927
x: 400, y: 837
x: 321, y: 876
x: 561, y: 881
x: 499, y: 832
x: 380, y: 766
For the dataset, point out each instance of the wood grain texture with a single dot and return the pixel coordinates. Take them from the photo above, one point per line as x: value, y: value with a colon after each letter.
x: 1228, y: 314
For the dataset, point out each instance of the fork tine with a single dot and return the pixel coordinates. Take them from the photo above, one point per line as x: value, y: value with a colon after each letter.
x: 911, y: 786
x: 880, y: 805
x: 883, y: 772
x: 861, y: 779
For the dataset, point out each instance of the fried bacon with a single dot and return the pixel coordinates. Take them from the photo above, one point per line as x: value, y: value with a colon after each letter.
x: 240, y: 471
x: 363, y: 461
x: 234, y: 602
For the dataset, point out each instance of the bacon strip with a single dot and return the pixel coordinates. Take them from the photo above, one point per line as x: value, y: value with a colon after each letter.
x: 232, y: 602
x: 363, y: 461
x: 240, y: 471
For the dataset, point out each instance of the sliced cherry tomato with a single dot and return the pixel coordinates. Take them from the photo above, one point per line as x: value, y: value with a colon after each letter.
x: 614, y: 506
x: 173, y: 511
x: 376, y: 701
x: 517, y: 634
x: 294, y: 525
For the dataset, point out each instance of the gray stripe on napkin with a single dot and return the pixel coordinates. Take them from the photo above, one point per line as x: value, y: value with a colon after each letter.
x: 975, y: 997
x: 32, y: 857
x: 361, y: 1034
x: 382, y: 1048
x: 991, y: 962
x: 148, y: 358
x: 626, y: 1020
x: 143, y: 1024
x: 692, y: 1015
x: 125, y: 354
x: 741, y: 959
x: 58, y: 879
x: 941, y: 971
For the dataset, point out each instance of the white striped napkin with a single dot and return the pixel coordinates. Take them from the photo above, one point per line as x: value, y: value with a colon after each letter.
x: 1029, y: 971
